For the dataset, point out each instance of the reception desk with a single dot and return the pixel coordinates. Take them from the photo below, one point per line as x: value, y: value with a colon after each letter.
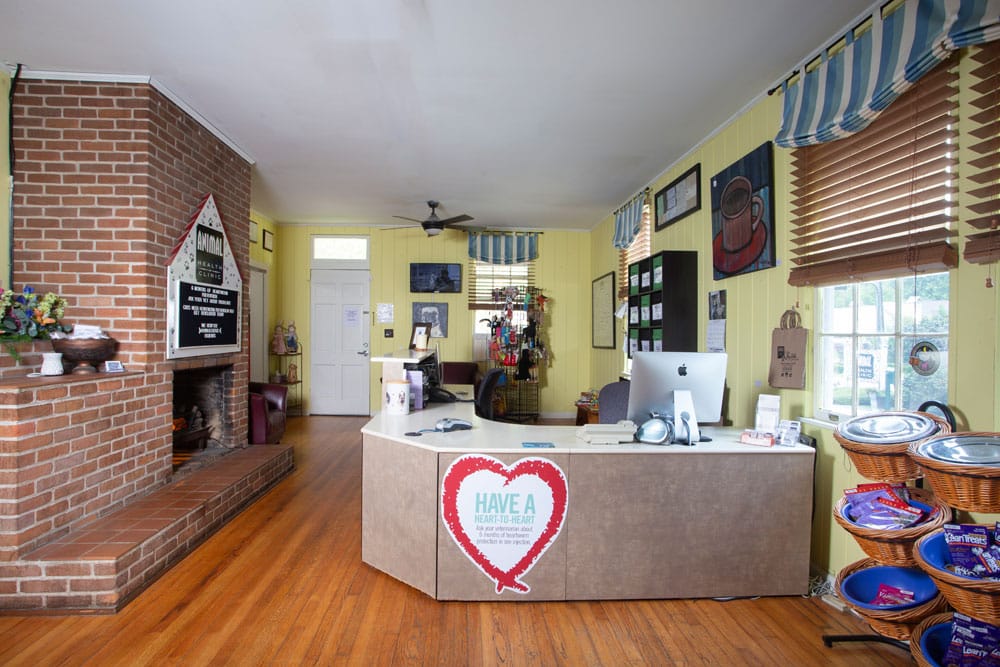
x: 481, y: 515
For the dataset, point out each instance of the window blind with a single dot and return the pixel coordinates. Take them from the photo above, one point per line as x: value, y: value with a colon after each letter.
x: 487, y: 283
x: 984, y: 170
x: 639, y: 249
x: 880, y: 203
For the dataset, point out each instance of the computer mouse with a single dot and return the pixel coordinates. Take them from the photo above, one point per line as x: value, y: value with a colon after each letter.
x: 451, y: 424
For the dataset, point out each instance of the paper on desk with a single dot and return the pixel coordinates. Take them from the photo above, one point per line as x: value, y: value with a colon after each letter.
x: 715, y: 336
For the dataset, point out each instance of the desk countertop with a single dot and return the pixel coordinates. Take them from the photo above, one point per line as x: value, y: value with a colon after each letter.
x: 491, y: 436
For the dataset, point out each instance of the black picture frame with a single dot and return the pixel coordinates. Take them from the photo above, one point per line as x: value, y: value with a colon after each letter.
x: 423, y: 328
x: 435, y: 277
x: 268, y: 241
x: 602, y: 313
x: 679, y: 199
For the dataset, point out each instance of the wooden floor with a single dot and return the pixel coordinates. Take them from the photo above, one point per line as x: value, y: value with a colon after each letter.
x: 283, y: 584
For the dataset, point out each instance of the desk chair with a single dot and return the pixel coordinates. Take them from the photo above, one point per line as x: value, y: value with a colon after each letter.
x: 612, y: 402
x: 484, y: 397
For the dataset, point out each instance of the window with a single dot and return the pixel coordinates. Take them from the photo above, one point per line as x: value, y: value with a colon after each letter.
x: 881, y: 203
x: 488, y: 284
x: 881, y: 345
x: 639, y: 249
x: 339, y: 252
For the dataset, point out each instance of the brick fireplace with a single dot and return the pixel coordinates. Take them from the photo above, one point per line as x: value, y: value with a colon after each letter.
x: 107, y: 176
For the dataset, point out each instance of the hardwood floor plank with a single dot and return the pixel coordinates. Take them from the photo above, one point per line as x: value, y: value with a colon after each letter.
x: 283, y: 584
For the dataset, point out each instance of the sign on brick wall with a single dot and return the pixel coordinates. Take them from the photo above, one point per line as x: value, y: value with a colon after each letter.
x: 204, y: 309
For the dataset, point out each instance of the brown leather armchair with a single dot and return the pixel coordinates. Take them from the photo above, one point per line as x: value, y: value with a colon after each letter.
x: 267, y: 412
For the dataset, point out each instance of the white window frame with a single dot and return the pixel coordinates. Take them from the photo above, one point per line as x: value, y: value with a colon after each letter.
x: 823, y: 384
x: 322, y: 263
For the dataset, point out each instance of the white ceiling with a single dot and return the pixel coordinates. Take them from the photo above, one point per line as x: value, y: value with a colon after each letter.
x: 523, y: 113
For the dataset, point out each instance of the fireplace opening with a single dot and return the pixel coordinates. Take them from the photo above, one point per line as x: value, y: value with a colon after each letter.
x: 200, y: 408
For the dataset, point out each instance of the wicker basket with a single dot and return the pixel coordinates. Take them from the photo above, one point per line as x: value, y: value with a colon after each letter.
x: 979, y: 598
x: 964, y: 486
x: 895, y: 624
x: 894, y: 547
x: 887, y: 462
x: 922, y: 626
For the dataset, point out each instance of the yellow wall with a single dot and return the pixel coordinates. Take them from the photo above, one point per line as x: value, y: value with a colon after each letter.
x: 4, y: 179
x: 559, y: 271
x: 755, y: 303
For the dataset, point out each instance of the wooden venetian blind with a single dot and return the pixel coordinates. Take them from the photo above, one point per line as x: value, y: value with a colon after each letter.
x: 983, y: 246
x: 880, y: 203
x: 486, y: 282
x: 639, y: 249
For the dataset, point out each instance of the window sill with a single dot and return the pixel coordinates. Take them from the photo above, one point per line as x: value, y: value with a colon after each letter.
x: 821, y: 423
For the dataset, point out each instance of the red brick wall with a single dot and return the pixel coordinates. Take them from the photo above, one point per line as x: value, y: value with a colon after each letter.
x: 106, y: 179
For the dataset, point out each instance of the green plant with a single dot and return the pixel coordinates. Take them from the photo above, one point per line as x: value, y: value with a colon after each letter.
x: 25, y: 317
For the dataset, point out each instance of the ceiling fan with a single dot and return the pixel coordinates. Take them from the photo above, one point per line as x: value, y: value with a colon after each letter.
x: 433, y: 225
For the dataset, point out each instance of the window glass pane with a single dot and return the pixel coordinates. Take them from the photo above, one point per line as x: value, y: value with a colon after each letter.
x: 837, y: 305
x: 924, y: 371
x: 875, y: 373
x: 927, y: 306
x: 837, y: 371
x: 340, y: 247
x: 877, y: 307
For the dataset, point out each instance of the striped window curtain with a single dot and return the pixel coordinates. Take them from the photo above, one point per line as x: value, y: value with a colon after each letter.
x: 878, y: 62
x: 628, y: 220
x: 503, y: 248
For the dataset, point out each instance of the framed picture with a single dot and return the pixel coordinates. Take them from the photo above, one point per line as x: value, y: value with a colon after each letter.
x: 113, y: 366
x: 602, y: 311
x: 268, y: 243
x: 254, y: 232
x: 743, y: 215
x: 434, y: 313
x: 679, y: 199
x: 429, y: 277
x: 421, y: 330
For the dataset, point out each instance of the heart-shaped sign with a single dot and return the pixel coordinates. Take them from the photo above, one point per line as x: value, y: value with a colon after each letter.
x: 503, y: 518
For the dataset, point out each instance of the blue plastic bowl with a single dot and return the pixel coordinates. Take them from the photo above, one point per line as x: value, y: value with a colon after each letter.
x: 934, y: 550
x: 934, y: 642
x: 846, y: 513
x: 861, y: 587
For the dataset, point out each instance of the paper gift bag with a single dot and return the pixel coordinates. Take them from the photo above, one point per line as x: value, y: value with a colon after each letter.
x: 788, y: 353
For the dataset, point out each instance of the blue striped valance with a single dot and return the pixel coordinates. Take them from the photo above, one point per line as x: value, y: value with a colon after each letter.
x: 503, y: 248
x: 628, y: 220
x: 849, y: 89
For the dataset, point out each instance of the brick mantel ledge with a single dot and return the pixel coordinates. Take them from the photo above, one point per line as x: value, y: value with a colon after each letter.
x: 74, y: 447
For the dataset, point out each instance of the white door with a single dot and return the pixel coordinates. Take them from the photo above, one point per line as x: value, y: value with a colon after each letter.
x: 259, y: 334
x: 339, y: 351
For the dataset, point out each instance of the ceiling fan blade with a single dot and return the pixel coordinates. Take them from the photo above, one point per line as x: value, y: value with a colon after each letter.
x: 403, y: 217
x: 457, y: 219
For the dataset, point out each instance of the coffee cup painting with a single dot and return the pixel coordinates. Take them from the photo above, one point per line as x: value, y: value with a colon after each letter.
x: 743, y: 215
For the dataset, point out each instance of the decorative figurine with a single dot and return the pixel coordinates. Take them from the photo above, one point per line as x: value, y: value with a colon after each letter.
x: 293, y: 373
x: 278, y: 341
x: 292, y: 338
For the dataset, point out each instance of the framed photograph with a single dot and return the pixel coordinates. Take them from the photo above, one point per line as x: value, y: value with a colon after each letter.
x: 743, y: 215
x: 254, y: 232
x: 420, y: 330
x: 679, y: 199
x: 113, y: 366
x: 268, y: 243
x: 434, y: 313
x: 602, y: 311
x: 429, y: 277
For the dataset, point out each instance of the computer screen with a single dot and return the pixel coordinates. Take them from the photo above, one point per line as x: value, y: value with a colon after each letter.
x: 655, y: 376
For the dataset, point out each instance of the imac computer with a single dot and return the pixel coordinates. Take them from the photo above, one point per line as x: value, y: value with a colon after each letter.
x: 656, y: 375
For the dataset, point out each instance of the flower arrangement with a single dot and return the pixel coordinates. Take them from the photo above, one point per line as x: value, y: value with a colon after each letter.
x: 25, y: 317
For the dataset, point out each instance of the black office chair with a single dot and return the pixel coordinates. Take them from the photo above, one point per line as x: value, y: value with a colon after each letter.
x: 612, y: 402
x: 484, y: 399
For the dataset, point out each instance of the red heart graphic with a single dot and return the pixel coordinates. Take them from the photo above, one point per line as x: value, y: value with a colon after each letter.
x: 526, y: 472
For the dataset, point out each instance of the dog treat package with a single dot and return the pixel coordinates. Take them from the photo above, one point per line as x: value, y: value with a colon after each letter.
x: 891, y: 596
x: 962, y: 541
x: 973, y: 643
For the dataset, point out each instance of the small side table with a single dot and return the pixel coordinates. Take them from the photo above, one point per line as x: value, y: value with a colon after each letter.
x: 587, y: 414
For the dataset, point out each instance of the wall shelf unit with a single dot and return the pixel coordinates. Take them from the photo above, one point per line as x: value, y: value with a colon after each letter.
x: 663, y: 303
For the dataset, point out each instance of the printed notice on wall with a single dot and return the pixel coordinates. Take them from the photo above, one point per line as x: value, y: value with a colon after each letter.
x: 503, y: 518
